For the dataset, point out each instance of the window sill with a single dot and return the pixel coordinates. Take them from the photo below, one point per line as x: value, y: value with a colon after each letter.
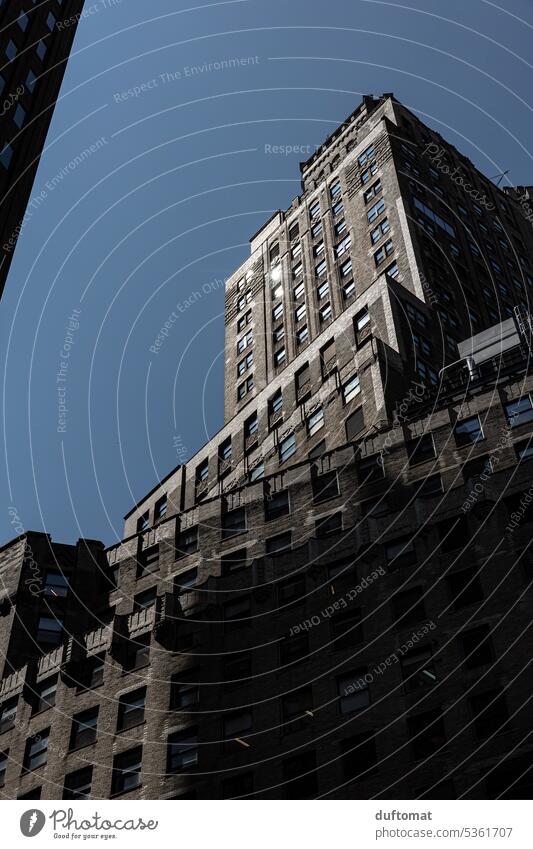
x: 130, y: 727
x: 73, y: 749
x: 120, y: 793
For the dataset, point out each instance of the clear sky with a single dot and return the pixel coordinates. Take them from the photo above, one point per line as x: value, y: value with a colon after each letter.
x: 177, y: 178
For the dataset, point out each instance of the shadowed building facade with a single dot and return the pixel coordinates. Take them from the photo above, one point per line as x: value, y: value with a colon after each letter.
x: 331, y: 598
x: 35, y: 43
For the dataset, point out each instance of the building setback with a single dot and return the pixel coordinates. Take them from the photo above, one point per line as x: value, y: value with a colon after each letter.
x: 35, y: 43
x: 331, y: 598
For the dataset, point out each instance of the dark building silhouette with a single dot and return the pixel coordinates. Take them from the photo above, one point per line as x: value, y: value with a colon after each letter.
x: 35, y: 43
x: 332, y: 597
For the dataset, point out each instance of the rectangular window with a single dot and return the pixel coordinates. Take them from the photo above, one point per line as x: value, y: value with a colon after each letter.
x: 318, y: 249
x: 372, y: 191
x: 244, y: 341
x: 277, y: 312
x: 299, y: 291
x: 233, y: 562
x: 299, y: 313
x: 143, y: 523
x: 337, y: 208
x: 187, y: 541
x: 160, y: 508
x: 50, y: 630
x: 400, y: 553
x: 280, y: 542
x: 432, y: 216
x: 321, y: 268
x: 519, y: 412
x: 371, y: 468
x: 277, y: 505
x: 353, y: 691
x: 325, y: 313
x: 78, y: 784
x: 468, y: 431
x: 524, y: 451
x: 315, y: 422
x: 351, y: 389
x: 420, y: 449
x: 8, y: 714
x: 380, y: 231
x: 83, y: 730
x: 257, y: 472
x: 245, y: 364
x: 131, y: 709
x: 366, y: 155
x: 335, y: 190
x: 314, y: 210
x: 148, y: 560
x: 250, y: 426
x: 343, y: 246
x: 36, y: 752
x: 375, y: 210
x: 279, y: 357
x: 322, y: 291
x: 287, y: 447
x: 45, y: 694
x: 327, y: 525
x: 245, y: 387
x: 383, y: 252
x: 325, y: 486
x: 233, y: 522
x: 348, y: 291
x: 127, y: 771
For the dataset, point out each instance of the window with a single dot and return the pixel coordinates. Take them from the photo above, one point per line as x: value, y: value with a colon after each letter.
x: 244, y: 388
x: 328, y: 525
x: 427, y: 733
x: 56, y: 585
x: 400, y: 553
x: 353, y: 691
x: 187, y: 541
x: 321, y: 268
x: 34, y: 793
x: 41, y: 50
x: 371, y: 192
x: 224, y: 450
x: 325, y: 486
x: 476, y: 647
x: 453, y: 533
x: 340, y: 227
x: 4, y: 760
x: 316, y: 230
x: 8, y: 714
x: 36, y: 752
x: 244, y: 341
x: 368, y: 173
x: 322, y: 291
x: 131, y: 709
x: 343, y: 246
x: 244, y: 320
x: 302, y: 335
x: 392, y: 270
x: 315, y: 422
x: 490, y: 713
x: 275, y: 404
x: 380, y: 231
x: 523, y: 451
x: 280, y: 542
x: 371, y: 468
x: 299, y: 313
x: 351, y: 389
x: 519, y: 411
x: 145, y: 599
x: 160, y: 509
x: 50, y: 630
x: 299, y: 290
x: 318, y: 249
x: 236, y: 726
x: 421, y: 344
x: 296, y: 710
x: 345, y: 268
x: 23, y: 21
x: 335, y: 190
x: 45, y: 694
x: 468, y: 431
x: 93, y: 672
x: 346, y: 629
x: 418, y: 669
x: 348, y: 290
x: 83, y: 730
x: 11, y: 50
x: 50, y: 21
x: 436, y: 219
x: 366, y: 155
x: 233, y: 562
x: 428, y: 487
x: 257, y: 472
x: 354, y: 425
x: 293, y: 648
x: 325, y: 313
x: 277, y: 505
x: 237, y: 613
x: 294, y: 231
x: 465, y: 588
x: 408, y: 607
x: 384, y: 251
x: 137, y: 653
x: 279, y: 357
x: 296, y: 271
x: 277, y: 312
x: 287, y: 447
x: 233, y: 522
x: 245, y: 363
x: 143, y: 523
x: 375, y: 211
x: 127, y: 771
x: 278, y: 334
x: 337, y: 208
x: 78, y: 784
x: 250, y: 426
x: 362, y: 326
x: 314, y: 210
x: 19, y: 115
x: 237, y: 668
x: 299, y: 776
x: 237, y: 786
x: 420, y: 449
x: 359, y: 756
x: 149, y: 560
x: 6, y: 155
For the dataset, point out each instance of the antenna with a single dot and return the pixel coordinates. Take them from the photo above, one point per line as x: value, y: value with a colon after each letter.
x: 500, y: 177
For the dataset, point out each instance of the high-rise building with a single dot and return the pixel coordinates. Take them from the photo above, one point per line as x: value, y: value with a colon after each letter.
x: 332, y: 597
x: 35, y: 43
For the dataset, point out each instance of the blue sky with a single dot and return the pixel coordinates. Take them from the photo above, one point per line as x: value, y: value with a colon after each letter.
x: 177, y: 178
